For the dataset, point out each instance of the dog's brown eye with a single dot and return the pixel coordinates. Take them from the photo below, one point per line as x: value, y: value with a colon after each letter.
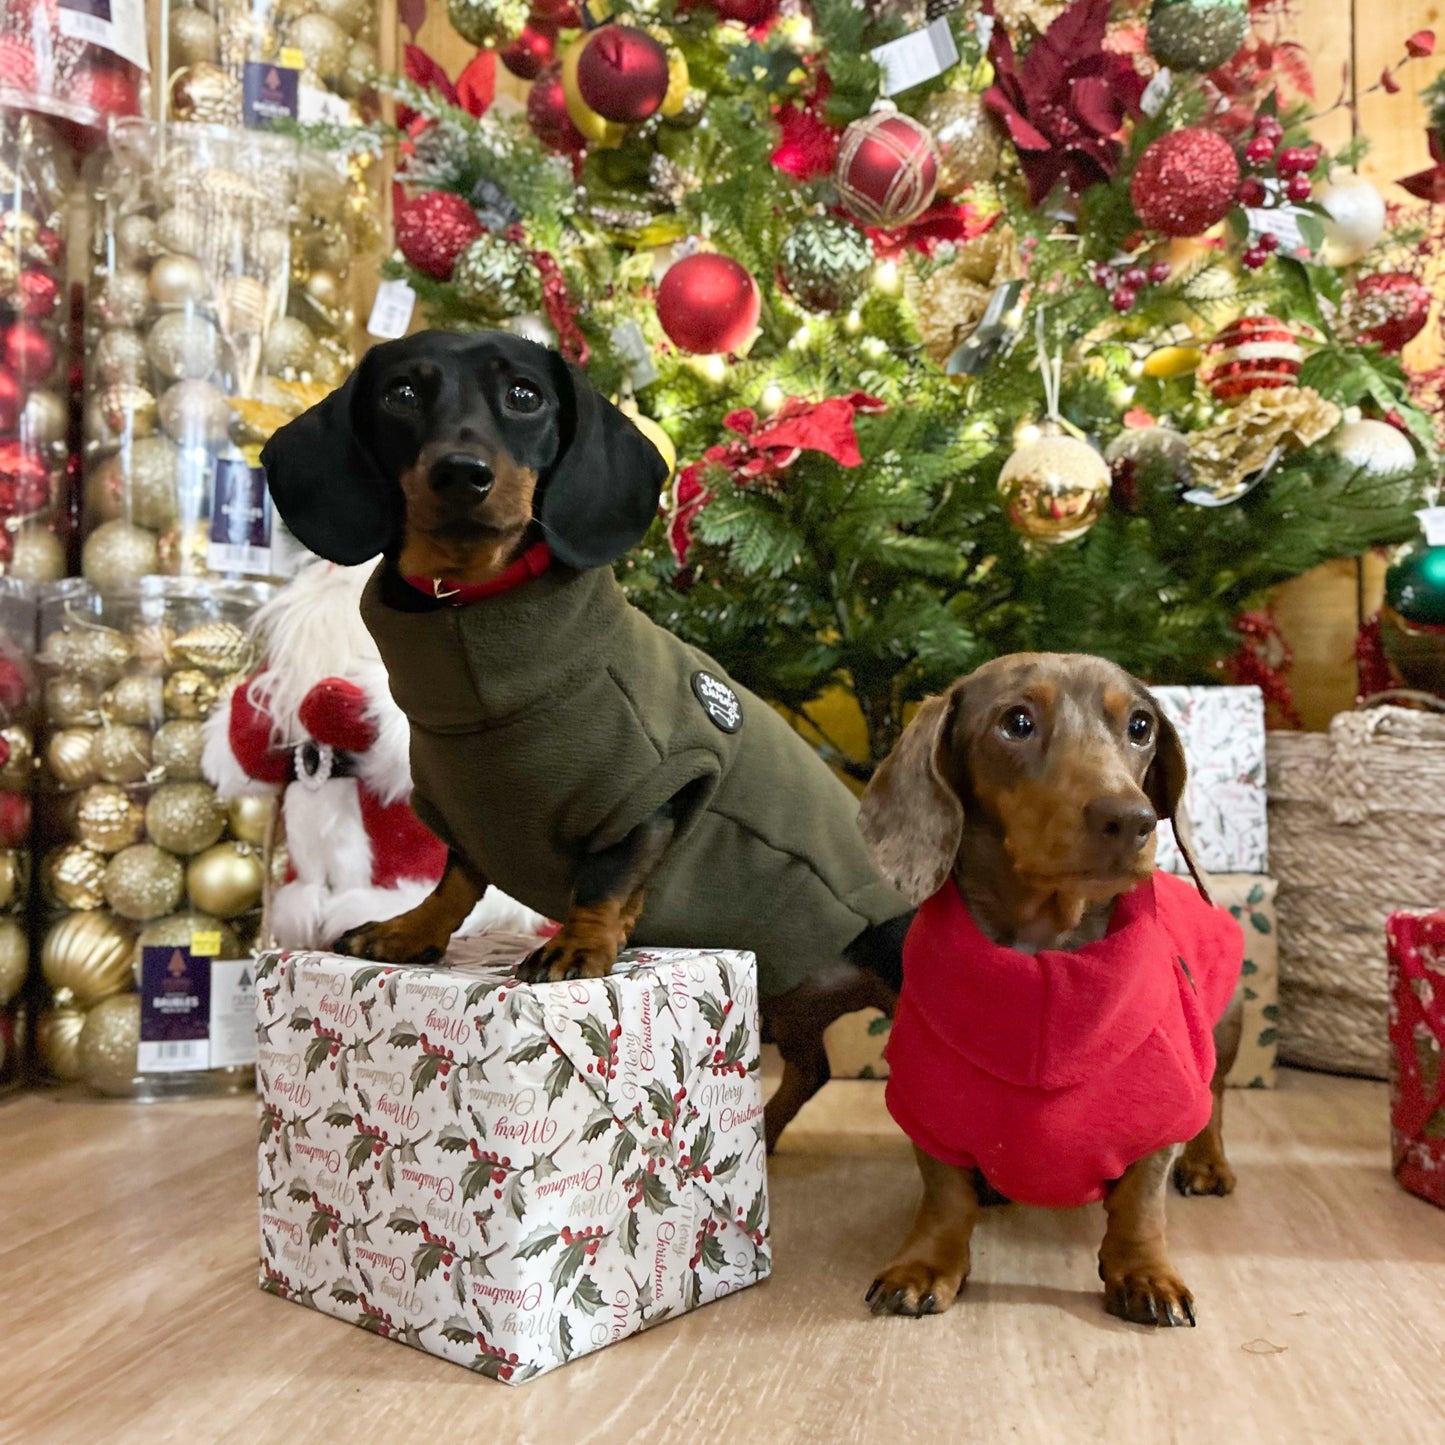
x: 521, y: 397
x: 1017, y: 724
x: 1141, y: 728
x: 400, y: 396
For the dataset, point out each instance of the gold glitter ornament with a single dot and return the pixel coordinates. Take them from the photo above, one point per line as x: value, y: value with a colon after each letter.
x: 217, y: 647
x: 1054, y: 489
x: 135, y: 238
x: 57, y: 1040
x: 178, y: 930
x: 38, y: 555
x: 119, y: 357
x: 952, y: 301
x: 249, y: 818
x: 153, y: 643
x: 144, y: 882
x: 241, y: 305
x: 189, y: 693
x: 14, y: 876
x: 71, y: 702
x: 207, y: 95
x: 69, y: 756
x: 117, y: 553
x: 122, y: 410
x: 181, y: 230
x: 350, y: 15
x: 107, y: 818
x: 139, y: 487
x: 122, y: 754
x: 135, y: 699
x: 98, y: 654
x: 17, y: 773
x: 124, y: 299
x: 489, y: 23
x: 184, y: 346
x: 183, y: 552
x: 74, y: 877
x: 14, y: 956
x: 44, y: 419
x: 226, y: 880
x: 176, y: 749
x: 89, y: 954
x: 109, y: 1042
x: 1197, y: 35
x: 290, y: 346
x: 496, y: 279
x: 968, y: 141
x: 194, y: 36
x: 195, y: 413
x: 185, y: 818
x: 324, y: 43
x: 362, y: 65
x: 176, y: 280
x: 1228, y: 454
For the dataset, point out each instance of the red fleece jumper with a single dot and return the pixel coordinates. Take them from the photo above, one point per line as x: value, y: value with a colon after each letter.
x: 1053, y: 1072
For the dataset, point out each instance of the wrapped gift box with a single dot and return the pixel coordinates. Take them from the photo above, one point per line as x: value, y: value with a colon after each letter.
x: 1222, y: 729
x: 1416, y: 943
x: 505, y: 1175
x: 855, y: 1042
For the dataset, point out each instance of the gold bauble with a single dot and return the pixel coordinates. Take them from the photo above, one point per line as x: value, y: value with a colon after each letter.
x: 135, y: 239
x: 181, y: 230
x: 194, y: 36
x: 184, y: 817
x: 323, y: 289
x: 71, y: 702
x: 206, y: 94
x: 154, y: 644
x: 14, y: 959
x: 108, y: 818
x: 226, y: 880
x: 18, y: 772
x: 183, y: 551
x: 135, y: 699
x: 120, y: 413
x: 118, y: 553
x: 1054, y: 488
x: 69, y: 756
x: 45, y: 418
x: 195, y: 413
x: 122, y: 754
x: 144, y: 882
x: 184, y: 346
x: 89, y: 954
x: 177, y: 931
x: 98, y: 654
x: 123, y: 299
x: 38, y: 555
x: 350, y: 15
x: 176, y: 281
x: 324, y: 44
x: 969, y: 144
x: 216, y: 647
x: 176, y: 749
x: 57, y: 1039
x: 290, y: 346
x: 14, y: 875
x: 74, y: 877
x: 248, y: 818
x: 189, y: 693
x: 108, y: 1045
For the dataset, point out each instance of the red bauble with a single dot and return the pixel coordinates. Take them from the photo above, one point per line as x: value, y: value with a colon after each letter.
x: 39, y: 294
x: 746, y: 12
x: 433, y: 229
x: 1388, y: 309
x: 887, y: 169
x: 12, y: 399
x: 29, y: 352
x: 1185, y: 182
x: 547, y: 114
x: 17, y: 64
x: 1255, y: 353
x: 105, y: 89
x: 532, y: 51
x: 561, y: 14
x: 14, y: 689
x: 15, y: 813
x: 708, y: 303
x: 622, y: 74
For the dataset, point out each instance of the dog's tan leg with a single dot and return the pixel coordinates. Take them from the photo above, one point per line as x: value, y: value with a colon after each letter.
x: 930, y: 1269
x: 421, y: 934
x: 1202, y: 1167
x: 1139, y: 1282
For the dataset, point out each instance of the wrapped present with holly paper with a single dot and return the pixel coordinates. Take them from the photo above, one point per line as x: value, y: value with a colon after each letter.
x: 510, y: 1175
x: 1416, y: 944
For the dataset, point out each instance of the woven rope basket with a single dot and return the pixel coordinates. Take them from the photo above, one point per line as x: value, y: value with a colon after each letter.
x: 1356, y: 831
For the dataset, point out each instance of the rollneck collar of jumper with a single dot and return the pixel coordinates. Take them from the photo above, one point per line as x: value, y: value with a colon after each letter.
x: 531, y: 564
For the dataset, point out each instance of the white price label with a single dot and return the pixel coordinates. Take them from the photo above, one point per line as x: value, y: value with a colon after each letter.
x: 1432, y: 519
x: 1156, y: 93
x: 233, y: 1013
x: 315, y: 106
x: 912, y: 59
x: 1281, y: 222
x: 118, y: 26
x: 391, y: 311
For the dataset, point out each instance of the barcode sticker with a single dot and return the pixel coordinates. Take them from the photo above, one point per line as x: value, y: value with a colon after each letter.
x: 173, y: 1056
x: 912, y: 59
x: 391, y: 311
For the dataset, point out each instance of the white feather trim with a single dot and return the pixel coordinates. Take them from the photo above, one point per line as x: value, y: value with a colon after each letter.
x: 326, y: 836
x: 219, y: 765
x: 385, y: 767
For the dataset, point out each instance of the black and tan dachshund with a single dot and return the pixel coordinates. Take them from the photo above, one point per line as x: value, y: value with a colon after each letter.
x: 567, y: 748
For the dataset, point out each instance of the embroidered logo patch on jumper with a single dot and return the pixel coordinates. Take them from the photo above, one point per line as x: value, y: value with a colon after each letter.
x: 722, y: 705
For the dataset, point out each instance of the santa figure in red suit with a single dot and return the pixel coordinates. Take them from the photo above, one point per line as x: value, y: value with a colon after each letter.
x: 317, y: 726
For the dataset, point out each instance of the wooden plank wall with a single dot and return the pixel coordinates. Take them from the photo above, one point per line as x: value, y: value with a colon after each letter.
x: 1360, y: 38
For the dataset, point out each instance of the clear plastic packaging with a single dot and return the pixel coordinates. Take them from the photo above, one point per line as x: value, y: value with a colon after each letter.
x: 17, y: 756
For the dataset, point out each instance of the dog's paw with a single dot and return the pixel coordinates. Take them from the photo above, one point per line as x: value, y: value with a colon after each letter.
x: 913, y: 1287
x: 1149, y: 1295
x: 388, y: 942
x: 568, y: 956
x: 1204, y: 1174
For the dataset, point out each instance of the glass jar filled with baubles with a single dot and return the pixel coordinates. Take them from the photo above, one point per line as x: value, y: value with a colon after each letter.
x: 149, y: 890
x: 191, y: 255
x: 37, y: 178
x: 84, y: 63
x: 17, y: 772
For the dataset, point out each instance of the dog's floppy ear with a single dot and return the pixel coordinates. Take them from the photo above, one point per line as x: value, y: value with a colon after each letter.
x: 602, y: 492
x: 1164, y: 787
x: 911, y: 818
x: 325, y: 485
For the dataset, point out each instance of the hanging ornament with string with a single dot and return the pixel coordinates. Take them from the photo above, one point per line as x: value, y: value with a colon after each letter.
x: 887, y: 168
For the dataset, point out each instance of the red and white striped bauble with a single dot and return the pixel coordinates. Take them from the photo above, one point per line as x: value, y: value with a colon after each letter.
x: 887, y: 168
x: 1255, y: 353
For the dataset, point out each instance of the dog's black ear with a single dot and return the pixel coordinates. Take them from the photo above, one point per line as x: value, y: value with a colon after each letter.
x: 1164, y: 787
x: 602, y: 493
x: 325, y: 485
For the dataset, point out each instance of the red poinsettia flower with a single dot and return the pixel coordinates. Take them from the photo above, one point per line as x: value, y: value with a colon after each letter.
x: 1066, y: 103
x: 1429, y: 184
x: 941, y: 223
x: 808, y: 145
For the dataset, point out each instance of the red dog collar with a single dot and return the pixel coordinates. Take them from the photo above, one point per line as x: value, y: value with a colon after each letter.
x: 532, y: 563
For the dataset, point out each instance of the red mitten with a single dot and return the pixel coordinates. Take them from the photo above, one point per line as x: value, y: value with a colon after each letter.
x: 334, y: 713
x: 250, y: 739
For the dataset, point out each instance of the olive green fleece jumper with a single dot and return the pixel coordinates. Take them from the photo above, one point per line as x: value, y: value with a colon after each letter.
x: 551, y: 719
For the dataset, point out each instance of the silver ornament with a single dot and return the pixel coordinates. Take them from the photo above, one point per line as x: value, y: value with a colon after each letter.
x: 135, y: 238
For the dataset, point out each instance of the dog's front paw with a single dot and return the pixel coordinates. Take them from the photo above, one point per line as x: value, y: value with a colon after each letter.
x: 1149, y: 1294
x: 913, y: 1287
x: 569, y: 955
x: 1201, y: 1172
x: 391, y: 941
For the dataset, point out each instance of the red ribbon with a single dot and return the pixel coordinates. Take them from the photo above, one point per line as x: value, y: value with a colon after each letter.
x: 556, y: 301
x: 1262, y: 660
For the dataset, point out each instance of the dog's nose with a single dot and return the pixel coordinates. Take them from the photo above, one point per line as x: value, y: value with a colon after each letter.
x: 1122, y: 821
x: 461, y: 469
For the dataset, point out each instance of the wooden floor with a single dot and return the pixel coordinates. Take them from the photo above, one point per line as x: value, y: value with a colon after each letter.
x: 131, y: 1313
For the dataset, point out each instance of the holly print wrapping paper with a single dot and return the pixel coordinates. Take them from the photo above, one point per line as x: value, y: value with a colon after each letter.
x: 1416, y: 944
x: 510, y: 1176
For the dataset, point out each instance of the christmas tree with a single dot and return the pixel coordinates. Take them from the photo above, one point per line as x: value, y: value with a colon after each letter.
x: 1077, y: 342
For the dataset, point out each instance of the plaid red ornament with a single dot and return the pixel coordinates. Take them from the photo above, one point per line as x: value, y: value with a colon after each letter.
x: 1416, y: 944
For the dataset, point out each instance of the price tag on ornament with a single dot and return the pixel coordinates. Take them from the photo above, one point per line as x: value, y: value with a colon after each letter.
x: 391, y: 311
x: 983, y: 31
x: 118, y: 26
x: 1432, y: 519
x: 268, y: 92
x: 999, y: 321
x: 1156, y: 92
x: 315, y: 106
x: 912, y: 59
x: 1280, y: 220
x: 632, y: 349
x: 175, y: 1018
x: 240, y: 535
